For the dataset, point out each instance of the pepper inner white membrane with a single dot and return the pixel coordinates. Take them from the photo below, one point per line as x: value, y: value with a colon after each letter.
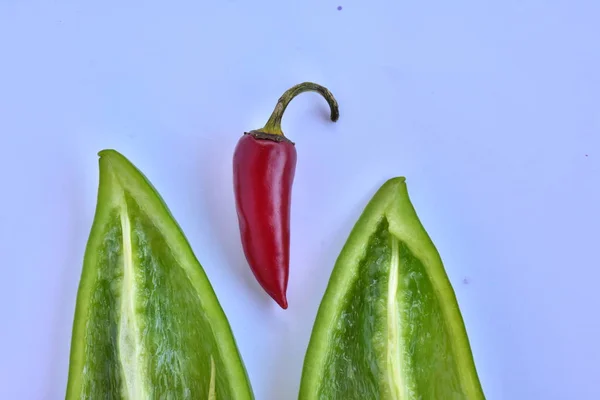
x: 146, y: 334
x: 390, y: 341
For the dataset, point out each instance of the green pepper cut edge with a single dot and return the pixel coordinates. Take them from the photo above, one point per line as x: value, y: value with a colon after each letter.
x: 116, y: 171
x: 391, y: 201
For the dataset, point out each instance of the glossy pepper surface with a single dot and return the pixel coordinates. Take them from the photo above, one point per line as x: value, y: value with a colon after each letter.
x: 389, y: 326
x: 264, y: 165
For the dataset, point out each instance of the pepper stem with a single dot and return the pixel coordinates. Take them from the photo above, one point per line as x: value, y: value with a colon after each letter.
x: 273, y: 125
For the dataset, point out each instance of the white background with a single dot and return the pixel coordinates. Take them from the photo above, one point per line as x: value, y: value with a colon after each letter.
x: 490, y: 109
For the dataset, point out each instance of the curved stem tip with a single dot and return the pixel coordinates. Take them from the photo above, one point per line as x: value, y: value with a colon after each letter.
x: 273, y: 125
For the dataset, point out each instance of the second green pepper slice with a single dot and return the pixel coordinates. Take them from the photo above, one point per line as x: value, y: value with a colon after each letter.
x: 389, y: 325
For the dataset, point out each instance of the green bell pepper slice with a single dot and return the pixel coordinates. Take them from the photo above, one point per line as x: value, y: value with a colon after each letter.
x: 147, y: 324
x: 389, y: 325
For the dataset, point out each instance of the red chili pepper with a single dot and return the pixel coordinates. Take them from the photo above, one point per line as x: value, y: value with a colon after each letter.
x: 264, y: 164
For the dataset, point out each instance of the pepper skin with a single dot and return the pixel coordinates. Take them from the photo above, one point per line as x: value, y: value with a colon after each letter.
x: 264, y: 165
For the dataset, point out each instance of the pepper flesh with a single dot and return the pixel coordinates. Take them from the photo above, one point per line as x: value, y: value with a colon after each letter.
x: 147, y: 324
x: 389, y: 325
x: 264, y: 165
